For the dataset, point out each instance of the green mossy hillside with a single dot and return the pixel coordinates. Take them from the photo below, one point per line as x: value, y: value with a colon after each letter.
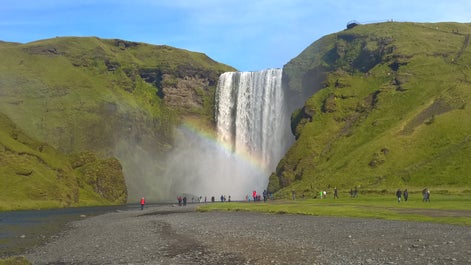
x: 34, y: 175
x: 390, y: 108
x: 82, y: 94
x: 105, y: 98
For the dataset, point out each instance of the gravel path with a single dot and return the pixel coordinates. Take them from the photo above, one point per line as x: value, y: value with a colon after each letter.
x: 179, y: 235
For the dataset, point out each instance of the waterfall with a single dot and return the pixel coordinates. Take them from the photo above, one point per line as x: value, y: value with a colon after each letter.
x: 252, y: 118
x: 253, y: 131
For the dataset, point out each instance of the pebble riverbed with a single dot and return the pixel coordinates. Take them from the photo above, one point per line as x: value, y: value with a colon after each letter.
x: 180, y: 235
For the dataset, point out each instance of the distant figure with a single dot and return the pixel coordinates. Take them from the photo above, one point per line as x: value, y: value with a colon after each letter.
x: 254, y: 195
x: 205, y: 199
x: 179, y: 198
x: 222, y: 198
x: 324, y: 194
x: 293, y: 194
x: 398, y: 195
x: 265, y: 195
x: 213, y: 199
x: 336, y: 195
x: 143, y: 202
x: 426, y: 195
x: 184, y: 201
x: 406, y: 195
x: 229, y: 198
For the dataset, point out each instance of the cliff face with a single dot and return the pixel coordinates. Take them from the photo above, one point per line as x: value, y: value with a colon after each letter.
x: 106, y: 98
x: 386, y: 107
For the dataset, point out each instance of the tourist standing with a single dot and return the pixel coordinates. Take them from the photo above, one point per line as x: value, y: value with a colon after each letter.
x: 143, y: 202
x: 406, y: 195
x: 398, y: 195
x: 426, y: 195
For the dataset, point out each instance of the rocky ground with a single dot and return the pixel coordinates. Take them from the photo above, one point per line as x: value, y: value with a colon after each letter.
x: 179, y: 235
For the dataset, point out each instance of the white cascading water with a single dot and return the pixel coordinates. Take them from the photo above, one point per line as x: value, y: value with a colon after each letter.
x: 252, y: 118
x: 253, y: 134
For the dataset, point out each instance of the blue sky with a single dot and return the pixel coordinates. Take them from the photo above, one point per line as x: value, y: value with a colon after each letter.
x: 249, y: 35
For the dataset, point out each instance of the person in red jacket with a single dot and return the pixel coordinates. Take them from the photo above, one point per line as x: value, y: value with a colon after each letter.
x: 143, y: 201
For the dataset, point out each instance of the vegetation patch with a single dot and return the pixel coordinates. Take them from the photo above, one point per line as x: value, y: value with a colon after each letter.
x: 443, y: 208
x: 34, y: 175
x: 390, y: 111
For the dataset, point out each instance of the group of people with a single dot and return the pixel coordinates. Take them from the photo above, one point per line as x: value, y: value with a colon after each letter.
x: 256, y: 197
x: 181, y: 200
x: 224, y: 198
x: 405, y: 194
x: 323, y: 194
x: 399, y: 195
x: 354, y: 193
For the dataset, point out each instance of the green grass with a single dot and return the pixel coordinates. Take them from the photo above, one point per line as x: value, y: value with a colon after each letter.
x: 447, y: 209
x: 15, y: 261
x: 377, y: 126
x: 34, y: 175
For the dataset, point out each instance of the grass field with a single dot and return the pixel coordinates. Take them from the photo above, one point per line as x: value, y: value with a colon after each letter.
x: 446, y: 209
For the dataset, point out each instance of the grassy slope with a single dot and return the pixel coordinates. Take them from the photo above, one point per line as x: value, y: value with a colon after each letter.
x: 381, y: 127
x: 75, y: 91
x: 87, y: 94
x: 34, y: 175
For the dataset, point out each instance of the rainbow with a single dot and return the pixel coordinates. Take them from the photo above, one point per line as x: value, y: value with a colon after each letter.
x: 210, y: 137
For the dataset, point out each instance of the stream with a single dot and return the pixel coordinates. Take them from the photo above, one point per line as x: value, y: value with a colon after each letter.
x: 21, y: 230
